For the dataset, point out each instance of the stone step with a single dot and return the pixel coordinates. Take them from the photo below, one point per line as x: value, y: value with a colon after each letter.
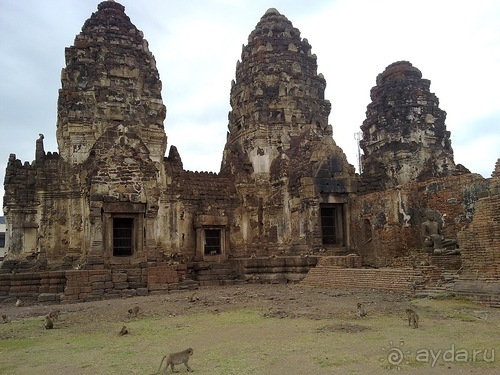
x: 216, y: 272
x: 215, y: 277
x: 211, y: 283
x: 188, y: 285
x: 258, y: 270
x: 434, y: 293
x: 271, y: 277
x: 386, y: 279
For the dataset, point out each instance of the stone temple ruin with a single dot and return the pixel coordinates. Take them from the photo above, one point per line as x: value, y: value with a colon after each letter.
x: 109, y: 215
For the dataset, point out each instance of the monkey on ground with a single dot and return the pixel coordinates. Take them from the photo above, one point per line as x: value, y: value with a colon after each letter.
x: 133, y: 312
x: 54, y: 314
x: 19, y: 302
x: 412, y: 318
x: 5, y: 319
x: 48, y: 323
x: 254, y: 277
x: 176, y: 359
x: 123, y: 331
x: 360, y: 311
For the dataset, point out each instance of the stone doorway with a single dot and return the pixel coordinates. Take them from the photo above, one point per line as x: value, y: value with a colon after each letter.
x: 332, y: 225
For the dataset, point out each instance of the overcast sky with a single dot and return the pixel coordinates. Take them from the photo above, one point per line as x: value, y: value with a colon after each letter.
x: 196, y: 43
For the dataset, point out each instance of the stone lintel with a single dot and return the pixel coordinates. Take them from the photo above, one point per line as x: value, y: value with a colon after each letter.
x: 209, y: 220
x: 124, y: 207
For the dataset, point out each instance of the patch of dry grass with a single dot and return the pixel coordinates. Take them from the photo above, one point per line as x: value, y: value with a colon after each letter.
x: 250, y: 341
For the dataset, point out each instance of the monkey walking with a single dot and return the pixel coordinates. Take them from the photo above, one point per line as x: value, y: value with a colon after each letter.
x: 412, y: 318
x: 132, y: 313
x: 176, y: 359
x: 360, y: 311
x: 54, y: 314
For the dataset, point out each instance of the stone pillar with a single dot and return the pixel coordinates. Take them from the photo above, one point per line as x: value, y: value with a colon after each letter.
x: 39, y: 150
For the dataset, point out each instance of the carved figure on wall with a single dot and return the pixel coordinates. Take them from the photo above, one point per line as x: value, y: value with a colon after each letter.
x: 434, y: 241
x: 39, y: 150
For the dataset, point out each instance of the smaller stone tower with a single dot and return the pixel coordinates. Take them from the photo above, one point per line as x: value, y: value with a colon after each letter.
x: 404, y: 135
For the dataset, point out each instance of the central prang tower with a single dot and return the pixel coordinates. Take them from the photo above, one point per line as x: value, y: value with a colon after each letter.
x: 277, y: 98
x: 279, y: 146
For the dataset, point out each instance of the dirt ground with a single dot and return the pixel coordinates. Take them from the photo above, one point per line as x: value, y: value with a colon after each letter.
x: 280, y: 300
x: 319, y: 322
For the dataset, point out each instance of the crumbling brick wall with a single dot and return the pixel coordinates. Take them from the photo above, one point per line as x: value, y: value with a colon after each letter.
x: 385, y: 279
x: 387, y: 224
x: 480, y: 242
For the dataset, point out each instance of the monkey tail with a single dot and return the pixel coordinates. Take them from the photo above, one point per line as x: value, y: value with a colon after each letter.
x: 159, y: 368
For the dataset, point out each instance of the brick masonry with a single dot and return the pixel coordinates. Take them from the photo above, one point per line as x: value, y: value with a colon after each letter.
x: 383, y: 278
x: 48, y: 285
x: 387, y: 225
x: 480, y: 245
x: 89, y: 285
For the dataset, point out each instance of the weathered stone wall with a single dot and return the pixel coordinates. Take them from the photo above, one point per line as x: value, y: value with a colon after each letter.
x: 43, y: 207
x: 387, y: 225
x: 43, y: 286
x: 274, y: 269
x: 89, y: 285
x: 381, y: 227
x: 480, y: 245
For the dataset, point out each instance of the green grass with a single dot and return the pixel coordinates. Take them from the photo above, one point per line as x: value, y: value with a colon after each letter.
x: 245, y: 342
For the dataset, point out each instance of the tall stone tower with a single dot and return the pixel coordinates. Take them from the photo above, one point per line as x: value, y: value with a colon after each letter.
x: 277, y: 97
x: 110, y: 80
x: 279, y: 139
x: 100, y: 195
x: 404, y: 135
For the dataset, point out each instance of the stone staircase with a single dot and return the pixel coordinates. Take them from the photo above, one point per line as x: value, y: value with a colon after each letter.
x: 485, y: 290
x: 346, y: 271
x: 443, y: 287
x: 403, y: 280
